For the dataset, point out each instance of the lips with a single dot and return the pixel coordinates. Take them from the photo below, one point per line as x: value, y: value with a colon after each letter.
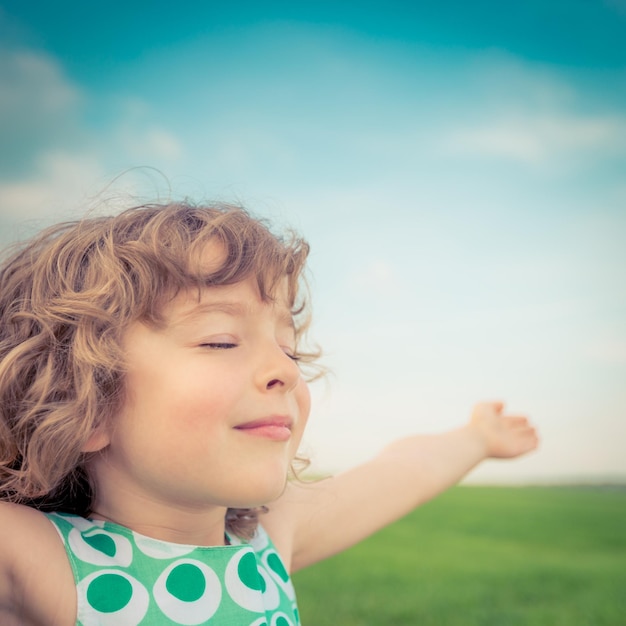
x: 275, y: 428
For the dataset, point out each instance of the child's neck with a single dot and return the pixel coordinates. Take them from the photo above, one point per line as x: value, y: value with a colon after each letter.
x: 199, y: 527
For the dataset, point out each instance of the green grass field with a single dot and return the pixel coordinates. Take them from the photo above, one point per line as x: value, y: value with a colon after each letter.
x: 482, y: 556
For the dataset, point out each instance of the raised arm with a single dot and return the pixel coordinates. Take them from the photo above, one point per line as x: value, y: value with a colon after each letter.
x: 326, y: 517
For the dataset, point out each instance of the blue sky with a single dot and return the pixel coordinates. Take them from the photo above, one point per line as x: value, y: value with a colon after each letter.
x: 459, y: 169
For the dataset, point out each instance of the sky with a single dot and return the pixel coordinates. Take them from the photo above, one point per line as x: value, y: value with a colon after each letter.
x: 459, y: 170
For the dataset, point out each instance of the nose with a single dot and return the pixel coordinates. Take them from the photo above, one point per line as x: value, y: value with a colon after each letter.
x: 275, y: 382
x: 278, y: 371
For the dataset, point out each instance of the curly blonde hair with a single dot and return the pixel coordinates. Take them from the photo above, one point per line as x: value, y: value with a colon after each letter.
x: 66, y: 299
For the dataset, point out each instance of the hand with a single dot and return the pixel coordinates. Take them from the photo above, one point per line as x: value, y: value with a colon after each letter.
x: 505, y: 436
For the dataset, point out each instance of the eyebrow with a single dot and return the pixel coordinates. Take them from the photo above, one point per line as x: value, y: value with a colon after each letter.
x: 236, y: 309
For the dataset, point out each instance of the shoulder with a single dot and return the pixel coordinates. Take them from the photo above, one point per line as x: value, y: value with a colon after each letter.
x: 23, y: 531
x: 17, y: 520
x: 22, y: 526
x: 28, y: 591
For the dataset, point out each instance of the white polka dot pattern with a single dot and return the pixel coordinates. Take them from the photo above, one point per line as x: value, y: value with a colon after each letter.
x: 127, y: 579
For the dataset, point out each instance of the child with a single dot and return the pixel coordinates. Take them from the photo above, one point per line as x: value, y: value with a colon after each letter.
x: 152, y: 402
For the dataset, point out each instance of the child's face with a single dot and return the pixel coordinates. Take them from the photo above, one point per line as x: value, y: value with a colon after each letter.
x: 215, y: 406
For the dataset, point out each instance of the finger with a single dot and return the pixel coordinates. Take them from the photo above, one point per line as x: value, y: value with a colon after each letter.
x: 518, y: 421
x: 530, y: 437
x: 498, y: 407
x: 488, y: 408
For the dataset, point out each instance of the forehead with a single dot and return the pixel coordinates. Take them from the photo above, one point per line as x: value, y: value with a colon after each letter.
x: 240, y: 299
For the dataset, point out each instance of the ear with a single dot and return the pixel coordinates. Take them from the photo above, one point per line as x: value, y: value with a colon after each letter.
x: 98, y: 440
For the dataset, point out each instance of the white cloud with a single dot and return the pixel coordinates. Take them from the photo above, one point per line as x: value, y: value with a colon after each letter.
x: 164, y: 143
x: 35, y: 81
x: 58, y: 184
x: 149, y: 144
x: 53, y: 161
x: 536, y: 139
x: 39, y: 108
x: 46, y: 160
x: 137, y: 137
x: 378, y: 277
x: 617, y: 5
x: 533, y: 114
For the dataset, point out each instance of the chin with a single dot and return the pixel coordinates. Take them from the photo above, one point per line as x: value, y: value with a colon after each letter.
x: 260, y: 493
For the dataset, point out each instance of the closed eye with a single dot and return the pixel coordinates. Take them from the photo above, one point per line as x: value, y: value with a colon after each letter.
x: 218, y: 345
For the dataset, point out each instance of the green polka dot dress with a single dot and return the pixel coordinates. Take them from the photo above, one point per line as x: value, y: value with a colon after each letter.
x: 127, y: 579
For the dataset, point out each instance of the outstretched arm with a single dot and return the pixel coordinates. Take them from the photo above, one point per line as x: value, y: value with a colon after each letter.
x: 320, y: 519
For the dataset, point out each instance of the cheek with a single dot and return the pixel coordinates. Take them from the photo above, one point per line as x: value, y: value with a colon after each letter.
x: 193, y: 395
x: 303, y: 397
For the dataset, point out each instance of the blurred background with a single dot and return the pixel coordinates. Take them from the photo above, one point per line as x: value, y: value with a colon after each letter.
x: 458, y: 168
